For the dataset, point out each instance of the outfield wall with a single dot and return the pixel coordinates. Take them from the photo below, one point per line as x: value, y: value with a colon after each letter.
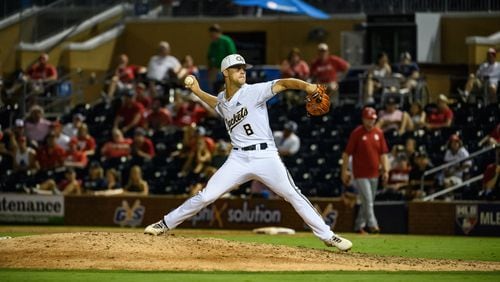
x: 440, y: 218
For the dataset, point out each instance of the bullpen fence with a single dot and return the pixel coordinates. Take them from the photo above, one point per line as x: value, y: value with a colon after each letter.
x: 440, y: 218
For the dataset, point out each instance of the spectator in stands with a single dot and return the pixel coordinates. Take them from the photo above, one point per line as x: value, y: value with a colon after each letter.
x: 142, y: 96
x: 326, y: 69
x: 143, y: 149
x: 199, y: 154
x: 124, y: 76
x: 113, y: 179
x: 118, y: 147
x: 50, y: 155
x: 396, y: 151
x: 493, y: 138
x: 417, y: 115
x: 368, y: 149
x: 440, y: 117
x: 19, y: 130
x: 85, y: 141
x: 294, y: 67
x: 163, y: 69
x: 189, y: 111
x: 487, y: 76
x: 410, y: 150
x: 61, y: 138
x: 456, y: 174
x: 136, y: 184
x: 398, y: 181
x: 37, y: 76
x: 69, y: 185
x: 191, y: 69
x: 24, y: 157
x: 71, y: 129
x: 394, y: 119
x: 36, y: 126
x: 491, y: 181
x: 287, y: 141
x: 220, y: 46
x: 95, y: 180
x: 75, y: 157
x: 131, y: 113
x: 422, y: 164
x: 408, y: 72
x: 158, y: 117
x: 374, y: 78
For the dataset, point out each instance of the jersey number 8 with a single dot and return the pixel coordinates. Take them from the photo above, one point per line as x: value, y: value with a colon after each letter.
x: 248, y: 129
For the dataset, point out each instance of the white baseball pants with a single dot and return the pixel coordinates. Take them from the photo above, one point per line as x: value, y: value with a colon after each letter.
x: 242, y: 166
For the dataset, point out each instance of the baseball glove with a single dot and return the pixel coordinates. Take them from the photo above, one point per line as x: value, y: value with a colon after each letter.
x: 318, y: 102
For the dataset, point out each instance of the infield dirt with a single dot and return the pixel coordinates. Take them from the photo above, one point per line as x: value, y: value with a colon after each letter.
x: 135, y: 251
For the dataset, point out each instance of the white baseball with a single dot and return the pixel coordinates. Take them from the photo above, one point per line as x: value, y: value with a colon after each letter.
x: 188, y: 81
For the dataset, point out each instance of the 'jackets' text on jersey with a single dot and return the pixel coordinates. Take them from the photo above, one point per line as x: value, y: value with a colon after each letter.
x: 237, y: 118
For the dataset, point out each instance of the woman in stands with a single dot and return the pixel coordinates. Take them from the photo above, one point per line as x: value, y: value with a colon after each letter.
x: 380, y: 70
x: 136, y: 184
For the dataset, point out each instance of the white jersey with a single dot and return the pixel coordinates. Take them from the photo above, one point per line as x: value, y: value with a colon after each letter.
x: 245, y: 115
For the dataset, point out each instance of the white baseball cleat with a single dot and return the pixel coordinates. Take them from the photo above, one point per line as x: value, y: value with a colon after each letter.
x: 340, y: 243
x: 156, y: 229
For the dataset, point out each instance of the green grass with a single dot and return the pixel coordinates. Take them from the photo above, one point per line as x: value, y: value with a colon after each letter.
x: 343, y: 276
x: 441, y: 247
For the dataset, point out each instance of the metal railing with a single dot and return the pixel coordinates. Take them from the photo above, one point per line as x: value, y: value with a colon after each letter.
x: 449, y: 164
x: 59, y: 16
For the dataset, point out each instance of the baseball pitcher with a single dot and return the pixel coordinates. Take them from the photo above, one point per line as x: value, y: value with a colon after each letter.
x: 254, y: 155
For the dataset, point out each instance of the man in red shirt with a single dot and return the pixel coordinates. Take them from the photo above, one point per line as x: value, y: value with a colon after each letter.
x: 36, y: 76
x: 440, y: 117
x: 130, y: 115
x: 325, y: 68
x: 42, y: 71
x: 117, y: 147
x: 142, y: 147
x: 158, y: 117
x: 368, y: 149
x: 50, y: 155
x: 124, y: 76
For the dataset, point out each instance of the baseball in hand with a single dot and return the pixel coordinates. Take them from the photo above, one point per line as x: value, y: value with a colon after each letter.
x: 188, y: 81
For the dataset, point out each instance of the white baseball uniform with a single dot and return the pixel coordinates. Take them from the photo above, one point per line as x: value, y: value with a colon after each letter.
x: 254, y: 156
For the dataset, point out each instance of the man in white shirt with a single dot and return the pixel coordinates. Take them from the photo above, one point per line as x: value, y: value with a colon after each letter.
x: 163, y: 67
x: 287, y: 141
x: 487, y: 76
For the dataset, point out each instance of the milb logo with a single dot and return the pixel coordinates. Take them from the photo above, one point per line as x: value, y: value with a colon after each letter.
x: 129, y: 216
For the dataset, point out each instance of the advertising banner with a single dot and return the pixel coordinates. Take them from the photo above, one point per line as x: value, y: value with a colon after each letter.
x: 477, y: 219
x: 31, y: 209
x: 135, y: 211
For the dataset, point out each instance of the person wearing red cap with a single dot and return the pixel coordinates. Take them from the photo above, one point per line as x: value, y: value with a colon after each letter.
x: 368, y: 149
x: 487, y: 76
x: 455, y: 151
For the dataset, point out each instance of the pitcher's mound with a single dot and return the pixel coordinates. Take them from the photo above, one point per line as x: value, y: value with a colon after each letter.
x: 135, y: 251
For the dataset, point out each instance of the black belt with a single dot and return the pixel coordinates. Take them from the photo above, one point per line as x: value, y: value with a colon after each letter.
x: 263, y: 146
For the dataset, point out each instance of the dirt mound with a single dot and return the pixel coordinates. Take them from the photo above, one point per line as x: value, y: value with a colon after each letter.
x: 135, y: 251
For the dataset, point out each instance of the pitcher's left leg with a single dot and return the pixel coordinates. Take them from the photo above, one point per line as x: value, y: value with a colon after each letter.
x: 273, y: 174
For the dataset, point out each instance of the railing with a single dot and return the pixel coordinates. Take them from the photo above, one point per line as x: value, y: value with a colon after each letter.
x: 60, y: 15
x: 449, y: 164
x: 55, y: 101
